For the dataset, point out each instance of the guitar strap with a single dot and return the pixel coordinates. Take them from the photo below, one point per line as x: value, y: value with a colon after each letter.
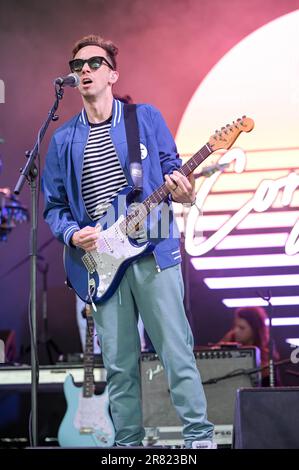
x: 132, y: 132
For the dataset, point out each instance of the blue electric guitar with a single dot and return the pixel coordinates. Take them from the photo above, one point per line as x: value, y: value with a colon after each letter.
x: 95, y: 275
x: 87, y: 422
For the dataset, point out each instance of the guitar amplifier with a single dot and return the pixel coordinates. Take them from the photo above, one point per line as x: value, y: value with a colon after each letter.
x: 223, y: 372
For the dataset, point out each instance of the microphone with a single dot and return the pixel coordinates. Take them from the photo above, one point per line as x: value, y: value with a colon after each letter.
x: 72, y: 79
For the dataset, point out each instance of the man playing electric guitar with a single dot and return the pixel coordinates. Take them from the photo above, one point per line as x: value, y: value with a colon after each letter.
x: 88, y: 168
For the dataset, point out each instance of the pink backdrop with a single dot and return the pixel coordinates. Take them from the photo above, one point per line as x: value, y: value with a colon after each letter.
x: 166, y: 49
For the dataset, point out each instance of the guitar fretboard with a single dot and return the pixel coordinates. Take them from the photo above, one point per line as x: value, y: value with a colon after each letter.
x: 128, y: 226
x: 88, y: 385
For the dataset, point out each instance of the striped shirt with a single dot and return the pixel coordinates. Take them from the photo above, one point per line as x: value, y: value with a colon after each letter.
x: 102, y: 176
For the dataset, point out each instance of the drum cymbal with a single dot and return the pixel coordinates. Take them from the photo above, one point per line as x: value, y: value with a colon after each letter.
x: 12, y: 211
x: 16, y: 207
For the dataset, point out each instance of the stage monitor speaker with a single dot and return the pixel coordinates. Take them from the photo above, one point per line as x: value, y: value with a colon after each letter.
x: 213, y: 365
x: 267, y: 418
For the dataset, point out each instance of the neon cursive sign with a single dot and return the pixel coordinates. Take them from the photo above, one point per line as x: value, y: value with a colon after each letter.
x: 261, y: 201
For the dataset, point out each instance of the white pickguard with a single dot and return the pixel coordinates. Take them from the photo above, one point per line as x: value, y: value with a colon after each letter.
x: 90, y: 418
x: 113, y: 248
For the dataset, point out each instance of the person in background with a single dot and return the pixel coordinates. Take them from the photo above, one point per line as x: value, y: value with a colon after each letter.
x: 250, y: 329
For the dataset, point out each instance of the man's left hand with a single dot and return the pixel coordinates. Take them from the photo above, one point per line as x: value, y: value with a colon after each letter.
x: 182, y: 188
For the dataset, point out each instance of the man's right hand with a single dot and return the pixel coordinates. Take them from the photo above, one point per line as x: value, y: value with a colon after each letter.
x: 86, y: 238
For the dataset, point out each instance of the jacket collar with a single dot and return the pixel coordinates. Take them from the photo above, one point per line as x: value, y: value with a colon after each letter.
x: 117, y: 110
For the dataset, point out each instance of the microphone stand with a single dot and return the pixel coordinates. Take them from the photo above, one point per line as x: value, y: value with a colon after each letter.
x: 30, y: 173
x: 205, y: 172
x: 186, y: 269
x: 271, y: 343
x: 249, y: 372
x: 24, y: 260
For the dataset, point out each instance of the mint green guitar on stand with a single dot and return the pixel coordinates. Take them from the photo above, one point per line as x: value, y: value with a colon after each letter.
x: 87, y: 421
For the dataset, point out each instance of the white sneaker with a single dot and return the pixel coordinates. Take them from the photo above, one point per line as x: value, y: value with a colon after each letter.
x: 204, y: 445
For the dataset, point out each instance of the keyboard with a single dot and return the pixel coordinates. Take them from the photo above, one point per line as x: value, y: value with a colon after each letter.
x: 20, y: 375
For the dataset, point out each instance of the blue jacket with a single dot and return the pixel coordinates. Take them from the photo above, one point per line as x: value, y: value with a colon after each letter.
x: 65, y: 211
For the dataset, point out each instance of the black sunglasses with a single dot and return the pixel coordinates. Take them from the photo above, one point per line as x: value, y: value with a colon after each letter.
x: 94, y: 63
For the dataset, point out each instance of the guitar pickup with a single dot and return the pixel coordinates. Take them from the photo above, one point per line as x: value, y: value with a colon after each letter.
x: 86, y: 430
x: 89, y: 263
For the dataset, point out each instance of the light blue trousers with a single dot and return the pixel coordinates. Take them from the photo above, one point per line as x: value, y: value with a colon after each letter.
x: 158, y: 297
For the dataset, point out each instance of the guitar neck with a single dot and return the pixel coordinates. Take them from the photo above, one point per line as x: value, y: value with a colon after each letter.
x: 138, y: 215
x: 88, y: 385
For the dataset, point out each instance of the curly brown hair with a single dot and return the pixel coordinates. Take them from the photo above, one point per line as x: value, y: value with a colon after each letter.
x: 256, y: 317
x: 95, y: 40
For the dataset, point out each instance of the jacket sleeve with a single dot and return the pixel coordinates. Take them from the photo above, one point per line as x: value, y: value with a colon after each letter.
x: 57, y: 212
x: 169, y: 157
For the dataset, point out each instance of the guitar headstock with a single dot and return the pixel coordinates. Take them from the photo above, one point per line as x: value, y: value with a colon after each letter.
x: 86, y: 311
x: 225, y: 138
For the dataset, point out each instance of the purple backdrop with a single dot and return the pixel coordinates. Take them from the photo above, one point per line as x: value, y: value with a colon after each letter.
x: 166, y: 49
